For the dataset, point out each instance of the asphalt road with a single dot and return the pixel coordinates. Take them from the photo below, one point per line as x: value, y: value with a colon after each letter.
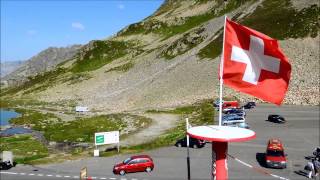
x: 300, y: 135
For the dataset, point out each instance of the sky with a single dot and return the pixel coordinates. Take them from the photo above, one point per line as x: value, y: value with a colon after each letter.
x: 30, y: 26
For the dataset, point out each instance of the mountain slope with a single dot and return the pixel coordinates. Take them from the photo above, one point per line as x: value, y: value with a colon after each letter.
x: 171, y: 58
x: 8, y: 67
x: 45, y: 61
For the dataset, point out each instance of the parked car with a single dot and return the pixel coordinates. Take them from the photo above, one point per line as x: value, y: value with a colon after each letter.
x: 216, y: 103
x: 276, y: 118
x: 275, y: 156
x: 249, y: 105
x: 237, y: 124
x: 138, y: 163
x: 237, y: 111
x: 226, y: 104
x: 193, y: 142
x: 233, y: 117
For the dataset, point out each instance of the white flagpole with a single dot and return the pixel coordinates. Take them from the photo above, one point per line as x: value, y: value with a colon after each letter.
x: 188, y: 154
x: 221, y: 73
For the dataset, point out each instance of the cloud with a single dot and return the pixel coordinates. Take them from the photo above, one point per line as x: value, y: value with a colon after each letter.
x: 77, y: 25
x: 121, y: 6
x: 31, y: 32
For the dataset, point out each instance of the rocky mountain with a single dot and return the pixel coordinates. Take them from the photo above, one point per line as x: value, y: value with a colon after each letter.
x: 171, y: 58
x: 7, y: 67
x: 45, y: 61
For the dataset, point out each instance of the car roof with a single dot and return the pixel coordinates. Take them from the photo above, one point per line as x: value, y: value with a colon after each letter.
x: 275, y: 144
x: 140, y: 156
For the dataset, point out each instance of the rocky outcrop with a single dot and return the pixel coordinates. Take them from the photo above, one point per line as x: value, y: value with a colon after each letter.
x: 44, y: 61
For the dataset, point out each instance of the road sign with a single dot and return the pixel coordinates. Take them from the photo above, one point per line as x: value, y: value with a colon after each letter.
x: 102, y: 138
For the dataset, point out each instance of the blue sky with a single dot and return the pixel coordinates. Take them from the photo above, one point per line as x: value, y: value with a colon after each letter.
x: 28, y: 27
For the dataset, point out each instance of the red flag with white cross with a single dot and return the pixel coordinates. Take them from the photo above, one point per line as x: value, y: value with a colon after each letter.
x: 254, y: 63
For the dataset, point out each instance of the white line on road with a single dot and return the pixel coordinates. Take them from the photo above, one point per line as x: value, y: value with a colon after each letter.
x: 7, y: 172
x: 49, y: 175
x: 112, y: 178
x: 257, y: 169
x: 31, y: 174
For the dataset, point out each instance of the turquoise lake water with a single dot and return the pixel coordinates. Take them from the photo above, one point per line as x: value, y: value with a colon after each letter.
x: 6, y: 115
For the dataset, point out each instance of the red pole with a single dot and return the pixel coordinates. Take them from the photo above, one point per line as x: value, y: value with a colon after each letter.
x: 221, y: 170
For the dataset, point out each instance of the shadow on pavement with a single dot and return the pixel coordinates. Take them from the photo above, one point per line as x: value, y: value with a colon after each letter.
x: 260, y: 157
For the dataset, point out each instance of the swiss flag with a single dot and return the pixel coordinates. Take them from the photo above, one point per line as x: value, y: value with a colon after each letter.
x: 254, y: 63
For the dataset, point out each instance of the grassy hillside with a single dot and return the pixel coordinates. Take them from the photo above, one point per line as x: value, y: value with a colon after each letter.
x: 277, y: 19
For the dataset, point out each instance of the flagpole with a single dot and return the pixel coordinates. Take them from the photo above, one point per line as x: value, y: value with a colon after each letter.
x: 221, y: 73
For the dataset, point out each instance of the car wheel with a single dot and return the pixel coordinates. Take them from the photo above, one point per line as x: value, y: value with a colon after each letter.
x: 194, y: 146
x: 179, y: 145
x: 148, y: 169
x: 122, y: 172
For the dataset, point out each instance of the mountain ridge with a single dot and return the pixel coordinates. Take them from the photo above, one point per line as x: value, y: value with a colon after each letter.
x: 171, y: 57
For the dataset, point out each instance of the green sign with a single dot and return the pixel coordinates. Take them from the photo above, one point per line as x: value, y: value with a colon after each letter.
x: 100, y: 139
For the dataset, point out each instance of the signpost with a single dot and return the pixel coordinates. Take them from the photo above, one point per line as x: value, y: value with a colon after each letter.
x: 102, y: 138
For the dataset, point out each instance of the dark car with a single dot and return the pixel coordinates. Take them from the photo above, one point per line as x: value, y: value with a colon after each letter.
x: 237, y: 111
x: 134, y: 164
x: 249, y: 105
x: 193, y: 142
x: 276, y: 118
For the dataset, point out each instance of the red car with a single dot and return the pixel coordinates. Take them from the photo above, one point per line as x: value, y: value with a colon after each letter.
x: 134, y: 164
x: 275, y: 156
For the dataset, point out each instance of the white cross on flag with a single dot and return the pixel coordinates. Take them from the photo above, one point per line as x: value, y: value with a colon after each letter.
x: 254, y: 63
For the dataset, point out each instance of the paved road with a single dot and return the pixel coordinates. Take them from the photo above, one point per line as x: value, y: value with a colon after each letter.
x: 300, y: 135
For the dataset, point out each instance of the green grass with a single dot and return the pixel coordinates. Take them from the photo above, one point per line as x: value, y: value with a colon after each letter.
x: 24, y: 147
x: 80, y: 130
x: 193, y: 21
x: 45, y: 80
x: 277, y: 19
x: 201, y: 113
x: 167, y: 31
x: 38, y: 121
x: 280, y: 20
x: 175, y: 49
x: 122, y: 68
x: 77, y: 78
x: 102, y: 53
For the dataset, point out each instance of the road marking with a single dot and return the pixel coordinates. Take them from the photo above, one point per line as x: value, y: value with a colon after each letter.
x: 63, y: 176
x: 8, y: 172
x: 257, y: 168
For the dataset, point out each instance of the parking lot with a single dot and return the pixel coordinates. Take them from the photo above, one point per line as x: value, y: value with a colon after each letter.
x: 300, y: 135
